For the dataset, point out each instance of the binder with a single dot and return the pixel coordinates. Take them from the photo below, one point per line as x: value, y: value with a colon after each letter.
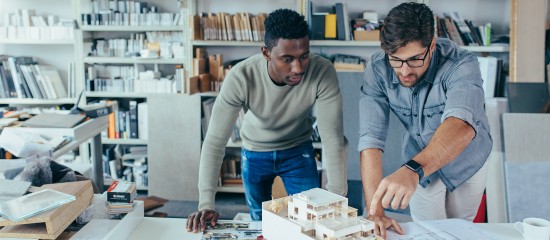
x: 318, y: 26
x: 330, y: 26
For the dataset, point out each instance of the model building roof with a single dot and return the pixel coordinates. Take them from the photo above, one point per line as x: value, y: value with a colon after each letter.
x: 319, y: 197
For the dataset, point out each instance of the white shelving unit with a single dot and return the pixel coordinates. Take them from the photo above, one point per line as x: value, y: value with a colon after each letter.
x: 131, y: 28
x: 116, y: 95
x: 124, y: 60
x: 127, y: 141
x: 36, y: 42
x: 33, y: 101
x: 336, y: 43
x: 56, y: 53
x: 163, y: 65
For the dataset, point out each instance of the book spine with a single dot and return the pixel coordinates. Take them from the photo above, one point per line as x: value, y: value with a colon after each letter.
x: 133, y: 120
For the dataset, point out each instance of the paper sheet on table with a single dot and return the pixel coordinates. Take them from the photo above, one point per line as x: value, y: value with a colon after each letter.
x: 448, y: 229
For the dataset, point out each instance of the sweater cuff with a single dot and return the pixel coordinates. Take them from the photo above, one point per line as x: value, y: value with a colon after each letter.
x: 206, y: 200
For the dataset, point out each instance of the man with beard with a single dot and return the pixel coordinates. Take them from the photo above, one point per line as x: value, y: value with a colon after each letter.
x: 435, y: 89
x: 278, y: 89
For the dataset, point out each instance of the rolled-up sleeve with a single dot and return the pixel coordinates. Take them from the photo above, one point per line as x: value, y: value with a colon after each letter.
x: 373, y: 112
x: 465, y: 97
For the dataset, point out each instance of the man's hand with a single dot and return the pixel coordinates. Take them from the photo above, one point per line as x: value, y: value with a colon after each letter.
x: 395, y: 190
x: 197, y: 221
x: 381, y: 223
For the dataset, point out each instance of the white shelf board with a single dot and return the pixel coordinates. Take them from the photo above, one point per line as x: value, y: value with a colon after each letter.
x: 337, y: 43
x: 493, y: 48
x: 133, y: 60
x: 227, y: 43
x: 34, y: 101
x: 81, y: 133
x: 116, y: 94
x: 131, y: 141
x: 37, y: 42
x: 130, y: 28
x: 231, y: 189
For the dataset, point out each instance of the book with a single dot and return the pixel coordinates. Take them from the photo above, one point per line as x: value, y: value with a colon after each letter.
x: 33, y: 204
x: 488, y: 68
x: 442, y: 229
x: 133, y: 116
x: 342, y: 21
x: 330, y: 26
x: 142, y: 122
x: 54, y: 120
x: 121, y: 191
x: 318, y: 26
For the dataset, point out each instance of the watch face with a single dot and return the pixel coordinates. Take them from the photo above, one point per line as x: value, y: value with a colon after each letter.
x: 414, y: 165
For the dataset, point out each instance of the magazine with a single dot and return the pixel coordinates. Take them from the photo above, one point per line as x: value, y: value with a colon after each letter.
x: 240, y: 230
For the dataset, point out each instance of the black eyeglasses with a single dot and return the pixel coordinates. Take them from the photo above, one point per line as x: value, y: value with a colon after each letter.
x: 412, y: 63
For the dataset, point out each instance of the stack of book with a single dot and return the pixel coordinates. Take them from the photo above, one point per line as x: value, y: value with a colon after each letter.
x: 120, y: 197
x: 23, y: 77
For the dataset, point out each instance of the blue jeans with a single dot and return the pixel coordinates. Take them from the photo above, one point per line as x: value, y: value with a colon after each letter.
x: 296, y: 166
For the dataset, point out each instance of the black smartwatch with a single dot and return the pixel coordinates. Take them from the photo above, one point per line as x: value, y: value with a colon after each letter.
x: 415, y: 167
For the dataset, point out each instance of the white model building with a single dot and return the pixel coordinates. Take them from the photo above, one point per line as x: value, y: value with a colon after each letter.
x: 315, y: 214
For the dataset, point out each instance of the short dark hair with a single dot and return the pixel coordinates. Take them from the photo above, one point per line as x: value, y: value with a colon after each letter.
x: 406, y: 23
x: 286, y: 24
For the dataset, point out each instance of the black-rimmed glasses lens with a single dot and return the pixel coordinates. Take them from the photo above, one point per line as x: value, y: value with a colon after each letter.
x: 412, y: 63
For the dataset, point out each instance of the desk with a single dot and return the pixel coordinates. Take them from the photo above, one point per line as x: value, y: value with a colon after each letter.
x: 174, y: 228
x: 90, y: 129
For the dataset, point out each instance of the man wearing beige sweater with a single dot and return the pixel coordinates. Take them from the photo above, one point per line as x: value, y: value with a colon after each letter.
x: 278, y: 90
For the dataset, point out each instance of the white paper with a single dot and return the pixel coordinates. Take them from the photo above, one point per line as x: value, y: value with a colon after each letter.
x: 449, y: 229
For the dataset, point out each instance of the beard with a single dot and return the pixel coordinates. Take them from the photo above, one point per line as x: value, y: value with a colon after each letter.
x: 409, y: 81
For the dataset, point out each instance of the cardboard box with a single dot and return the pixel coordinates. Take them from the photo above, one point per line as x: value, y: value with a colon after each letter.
x: 373, y: 35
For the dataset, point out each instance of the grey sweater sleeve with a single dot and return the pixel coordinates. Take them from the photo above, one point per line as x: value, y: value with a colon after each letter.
x: 330, y: 123
x: 224, y: 114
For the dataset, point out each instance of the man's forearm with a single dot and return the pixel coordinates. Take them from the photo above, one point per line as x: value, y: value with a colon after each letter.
x: 371, y: 173
x: 449, y: 140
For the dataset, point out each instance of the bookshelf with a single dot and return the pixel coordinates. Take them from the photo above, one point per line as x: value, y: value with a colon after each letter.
x: 54, y: 43
x: 239, y: 49
x: 126, y: 29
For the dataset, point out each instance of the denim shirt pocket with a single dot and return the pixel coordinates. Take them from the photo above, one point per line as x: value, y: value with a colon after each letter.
x: 404, y: 114
x: 432, y: 115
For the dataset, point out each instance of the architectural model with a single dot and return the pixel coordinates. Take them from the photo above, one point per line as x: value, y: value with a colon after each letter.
x: 315, y: 214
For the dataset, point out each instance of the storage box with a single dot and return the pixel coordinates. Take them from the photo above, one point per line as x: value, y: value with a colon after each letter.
x: 373, y: 35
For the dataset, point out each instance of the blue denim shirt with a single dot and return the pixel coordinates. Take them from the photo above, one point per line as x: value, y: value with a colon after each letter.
x: 451, y: 87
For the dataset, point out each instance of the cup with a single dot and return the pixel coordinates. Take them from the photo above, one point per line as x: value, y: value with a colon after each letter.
x: 534, y: 228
